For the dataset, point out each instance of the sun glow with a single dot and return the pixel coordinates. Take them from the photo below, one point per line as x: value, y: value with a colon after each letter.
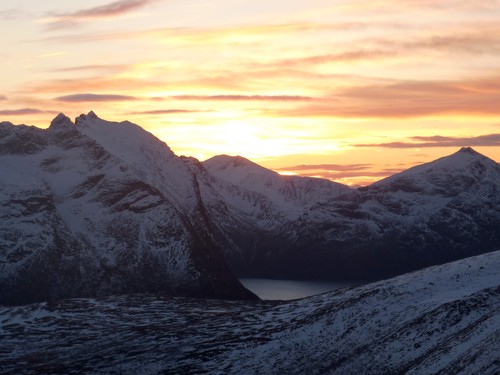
x: 378, y: 83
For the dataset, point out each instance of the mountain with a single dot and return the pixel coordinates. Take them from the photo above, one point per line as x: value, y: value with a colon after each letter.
x: 258, y: 204
x: 443, y: 319
x: 429, y: 214
x: 97, y: 208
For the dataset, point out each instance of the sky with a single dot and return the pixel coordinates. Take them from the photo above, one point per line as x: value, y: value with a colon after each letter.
x: 353, y: 91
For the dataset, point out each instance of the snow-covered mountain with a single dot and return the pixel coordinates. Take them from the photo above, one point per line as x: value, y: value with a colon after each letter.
x: 441, y: 320
x: 436, y: 212
x: 98, y: 208
x: 258, y: 203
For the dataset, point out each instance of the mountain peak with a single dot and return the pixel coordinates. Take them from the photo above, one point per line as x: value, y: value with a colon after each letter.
x: 61, y: 121
x: 449, y: 175
x: 468, y: 150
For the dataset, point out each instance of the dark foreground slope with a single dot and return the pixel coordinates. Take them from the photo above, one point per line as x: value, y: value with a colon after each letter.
x: 98, y: 208
x: 444, y: 319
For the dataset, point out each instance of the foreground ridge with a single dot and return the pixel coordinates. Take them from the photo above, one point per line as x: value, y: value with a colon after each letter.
x: 443, y: 319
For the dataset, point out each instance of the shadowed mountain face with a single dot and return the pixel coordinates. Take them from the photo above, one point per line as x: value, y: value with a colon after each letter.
x: 100, y: 208
x: 430, y: 214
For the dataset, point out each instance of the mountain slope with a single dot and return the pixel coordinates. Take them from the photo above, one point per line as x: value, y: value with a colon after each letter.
x: 98, y: 208
x: 443, y: 319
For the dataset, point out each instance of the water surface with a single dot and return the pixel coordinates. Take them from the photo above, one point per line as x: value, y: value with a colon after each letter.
x: 270, y: 289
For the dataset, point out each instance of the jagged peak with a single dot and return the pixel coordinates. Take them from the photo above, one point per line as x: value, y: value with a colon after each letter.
x: 61, y: 121
x: 83, y: 118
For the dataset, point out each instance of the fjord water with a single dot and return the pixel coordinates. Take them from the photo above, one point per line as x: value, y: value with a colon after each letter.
x: 271, y: 289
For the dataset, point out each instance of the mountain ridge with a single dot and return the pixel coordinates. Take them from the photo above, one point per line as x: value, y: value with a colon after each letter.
x: 80, y: 217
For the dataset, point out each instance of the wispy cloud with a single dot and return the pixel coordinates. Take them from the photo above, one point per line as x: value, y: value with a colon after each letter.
x: 359, y: 175
x: 492, y: 140
x: 11, y: 14
x: 281, y: 98
x: 347, y: 56
x: 407, y: 99
x: 23, y: 111
x: 114, y: 9
x: 95, y: 98
x: 326, y: 167
x: 168, y: 112
x: 219, y: 35
x: 91, y: 68
x: 3, y: 97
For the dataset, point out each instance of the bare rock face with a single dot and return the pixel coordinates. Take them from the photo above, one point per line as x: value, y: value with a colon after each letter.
x: 98, y: 208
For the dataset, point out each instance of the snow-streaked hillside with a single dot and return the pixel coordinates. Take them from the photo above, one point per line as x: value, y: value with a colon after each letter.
x: 444, y: 319
x: 96, y: 208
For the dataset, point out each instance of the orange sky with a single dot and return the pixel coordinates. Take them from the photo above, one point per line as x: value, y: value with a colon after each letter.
x: 348, y: 90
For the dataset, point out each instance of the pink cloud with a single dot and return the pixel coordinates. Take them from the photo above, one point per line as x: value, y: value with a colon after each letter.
x: 487, y: 140
x: 116, y: 8
x: 23, y: 111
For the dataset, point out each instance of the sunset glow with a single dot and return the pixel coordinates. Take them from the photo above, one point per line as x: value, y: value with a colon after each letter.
x: 352, y: 91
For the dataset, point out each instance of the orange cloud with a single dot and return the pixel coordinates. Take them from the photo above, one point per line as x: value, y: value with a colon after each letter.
x: 279, y: 98
x: 406, y: 99
x: 326, y: 167
x: 168, y: 112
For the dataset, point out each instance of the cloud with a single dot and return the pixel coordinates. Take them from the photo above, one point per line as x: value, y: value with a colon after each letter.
x: 101, y: 68
x: 3, y: 97
x: 348, y: 56
x: 218, y: 35
x: 167, y: 112
x: 114, y: 9
x: 335, y: 176
x: 11, y: 14
x: 281, y: 98
x: 95, y: 98
x: 23, y: 111
x: 406, y: 99
x: 326, y: 167
x: 487, y: 140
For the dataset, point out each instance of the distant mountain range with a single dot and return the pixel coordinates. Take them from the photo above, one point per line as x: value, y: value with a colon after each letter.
x: 97, y: 208
x: 296, y: 227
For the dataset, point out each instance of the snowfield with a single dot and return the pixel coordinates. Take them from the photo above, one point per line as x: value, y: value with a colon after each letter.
x: 444, y: 319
